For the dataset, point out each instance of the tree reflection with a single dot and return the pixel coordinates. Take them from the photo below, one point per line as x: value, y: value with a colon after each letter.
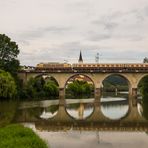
x: 7, y: 112
x: 145, y: 106
x: 52, y: 109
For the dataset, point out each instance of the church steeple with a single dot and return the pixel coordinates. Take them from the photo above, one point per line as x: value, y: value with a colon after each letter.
x: 80, y: 58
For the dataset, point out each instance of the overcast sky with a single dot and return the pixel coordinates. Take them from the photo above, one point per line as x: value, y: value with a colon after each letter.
x: 56, y: 30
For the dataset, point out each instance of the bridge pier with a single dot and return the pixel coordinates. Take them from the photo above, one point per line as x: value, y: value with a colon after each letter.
x: 62, y: 96
x: 133, y: 96
x: 134, y: 92
x: 62, y: 115
x: 23, y: 77
x: 133, y: 114
x: 98, y: 92
x: 97, y: 115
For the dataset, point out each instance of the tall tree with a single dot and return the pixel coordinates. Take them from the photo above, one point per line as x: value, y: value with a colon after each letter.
x: 7, y: 86
x: 8, y: 54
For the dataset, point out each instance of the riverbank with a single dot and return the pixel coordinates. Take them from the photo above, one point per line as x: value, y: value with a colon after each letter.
x: 18, y: 136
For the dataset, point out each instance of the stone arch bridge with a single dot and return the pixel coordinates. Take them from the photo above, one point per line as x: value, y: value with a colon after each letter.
x: 97, y: 78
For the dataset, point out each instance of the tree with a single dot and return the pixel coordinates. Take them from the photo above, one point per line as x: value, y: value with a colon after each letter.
x: 145, y: 60
x: 7, y: 86
x: 38, y: 88
x: 8, y: 54
x: 79, y: 88
x: 51, y: 89
x: 144, y: 87
x: 144, y: 91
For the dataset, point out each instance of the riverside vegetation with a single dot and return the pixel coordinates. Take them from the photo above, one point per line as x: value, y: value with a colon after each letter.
x: 17, y: 136
x: 12, y: 135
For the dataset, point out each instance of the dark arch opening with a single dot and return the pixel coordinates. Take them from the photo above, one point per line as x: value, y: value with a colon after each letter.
x: 79, y: 90
x: 115, y: 82
x: 143, y: 97
x: 114, y: 99
x: 42, y: 87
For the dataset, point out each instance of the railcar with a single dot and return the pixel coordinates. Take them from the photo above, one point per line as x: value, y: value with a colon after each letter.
x: 94, y: 67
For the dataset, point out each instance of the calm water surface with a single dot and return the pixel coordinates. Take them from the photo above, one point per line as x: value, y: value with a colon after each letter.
x: 113, y: 107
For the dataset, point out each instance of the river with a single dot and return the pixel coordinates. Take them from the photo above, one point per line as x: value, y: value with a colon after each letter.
x: 75, y: 124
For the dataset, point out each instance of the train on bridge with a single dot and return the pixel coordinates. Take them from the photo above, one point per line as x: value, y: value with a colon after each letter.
x: 120, y: 67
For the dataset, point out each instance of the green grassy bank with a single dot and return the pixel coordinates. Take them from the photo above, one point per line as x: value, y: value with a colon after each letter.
x: 17, y: 136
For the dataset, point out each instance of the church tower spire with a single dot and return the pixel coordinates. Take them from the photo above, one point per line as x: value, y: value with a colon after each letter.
x: 80, y: 58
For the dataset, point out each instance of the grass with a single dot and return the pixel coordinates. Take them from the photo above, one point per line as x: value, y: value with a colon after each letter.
x: 17, y: 136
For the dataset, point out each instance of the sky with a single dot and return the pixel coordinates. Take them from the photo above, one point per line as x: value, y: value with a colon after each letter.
x: 56, y: 30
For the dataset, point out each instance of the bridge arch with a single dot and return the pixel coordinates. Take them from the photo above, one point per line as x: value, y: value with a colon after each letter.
x: 140, y: 78
x: 78, y: 74
x: 48, y: 76
x: 80, y: 77
x: 76, y: 107
x: 118, y: 74
x: 110, y: 108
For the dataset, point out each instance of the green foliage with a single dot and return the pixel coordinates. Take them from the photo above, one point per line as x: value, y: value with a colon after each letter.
x: 7, y: 86
x: 17, y: 136
x: 38, y: 88
x: 51, y: 89
x: 144, y: 91
x: 144, y: 86
x: 79, y: 88
x: 145, y: 60
x: 145, y: 106
x: 8, y: 54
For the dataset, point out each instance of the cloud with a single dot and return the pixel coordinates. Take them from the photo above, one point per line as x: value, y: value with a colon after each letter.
x: 41, y: 32
x: 58, y: 30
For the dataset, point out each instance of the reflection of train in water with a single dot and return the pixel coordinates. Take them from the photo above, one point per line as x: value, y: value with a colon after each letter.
x: 93, y: 66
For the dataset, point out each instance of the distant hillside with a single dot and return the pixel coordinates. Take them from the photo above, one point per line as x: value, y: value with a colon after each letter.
x: 115, y: 81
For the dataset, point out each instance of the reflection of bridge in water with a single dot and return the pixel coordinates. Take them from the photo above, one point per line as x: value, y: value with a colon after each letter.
x: 132, y: 121
x: 91, y: 126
